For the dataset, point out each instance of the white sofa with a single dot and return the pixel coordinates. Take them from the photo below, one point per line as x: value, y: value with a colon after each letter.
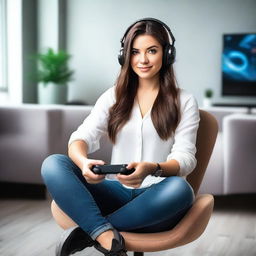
x: 26, y: 134
x: 224, y: 175
x: 29, y: 133
x: 239, y: 144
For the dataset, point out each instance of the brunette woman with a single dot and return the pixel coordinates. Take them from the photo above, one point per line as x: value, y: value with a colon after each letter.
x: 152, y: 125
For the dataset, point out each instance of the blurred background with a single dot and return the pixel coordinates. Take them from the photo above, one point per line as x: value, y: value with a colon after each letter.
x: 91, y: 31
x: 216, y: 62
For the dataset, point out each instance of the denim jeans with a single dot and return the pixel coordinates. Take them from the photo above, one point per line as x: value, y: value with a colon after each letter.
x: 107, y: 205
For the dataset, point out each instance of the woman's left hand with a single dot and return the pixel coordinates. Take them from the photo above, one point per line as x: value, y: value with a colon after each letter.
x: 142, y: 170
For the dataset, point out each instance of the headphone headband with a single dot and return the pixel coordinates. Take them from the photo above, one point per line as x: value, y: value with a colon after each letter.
x: 169, y: 51
x: 148, y: 19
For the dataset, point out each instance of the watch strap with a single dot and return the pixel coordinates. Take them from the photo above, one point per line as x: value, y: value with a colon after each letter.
x: 158, y: 171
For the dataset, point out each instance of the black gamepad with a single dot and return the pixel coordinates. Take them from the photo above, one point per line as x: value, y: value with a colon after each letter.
x: 112, y: 169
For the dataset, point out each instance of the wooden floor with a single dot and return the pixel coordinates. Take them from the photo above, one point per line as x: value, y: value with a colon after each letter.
x: 27, y: 229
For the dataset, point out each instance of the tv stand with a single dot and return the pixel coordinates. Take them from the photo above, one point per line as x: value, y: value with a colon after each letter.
x: 247, y: 105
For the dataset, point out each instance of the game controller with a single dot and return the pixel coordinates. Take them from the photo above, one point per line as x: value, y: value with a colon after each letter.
x: 112, y: 169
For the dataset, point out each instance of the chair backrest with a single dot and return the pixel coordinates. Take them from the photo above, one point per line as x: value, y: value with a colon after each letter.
x: 206, y: 137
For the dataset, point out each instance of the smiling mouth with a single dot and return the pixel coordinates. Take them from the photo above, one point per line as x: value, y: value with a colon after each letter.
x: 144, y: 69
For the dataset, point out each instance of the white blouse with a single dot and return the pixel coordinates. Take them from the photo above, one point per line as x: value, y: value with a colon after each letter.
x: 138, y: 140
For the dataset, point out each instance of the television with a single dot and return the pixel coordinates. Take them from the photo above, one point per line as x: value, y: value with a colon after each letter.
x: 239, y: 64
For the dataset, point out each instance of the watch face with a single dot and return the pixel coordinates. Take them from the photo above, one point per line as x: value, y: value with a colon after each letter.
x: 158, y: 173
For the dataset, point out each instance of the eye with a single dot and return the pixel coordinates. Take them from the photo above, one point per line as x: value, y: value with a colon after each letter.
x: 134, y: 52
x: 152, y: 51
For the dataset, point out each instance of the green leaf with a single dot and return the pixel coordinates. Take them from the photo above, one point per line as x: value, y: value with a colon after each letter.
x: 53, y: 67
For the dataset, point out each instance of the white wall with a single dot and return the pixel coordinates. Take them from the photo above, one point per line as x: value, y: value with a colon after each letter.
x: 94, y: 29
x: 48, y: 24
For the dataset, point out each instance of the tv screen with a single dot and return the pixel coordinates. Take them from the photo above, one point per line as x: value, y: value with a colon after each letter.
x: 239, y: 64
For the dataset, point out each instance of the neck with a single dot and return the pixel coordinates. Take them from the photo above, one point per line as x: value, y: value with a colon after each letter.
x: 149, y: 84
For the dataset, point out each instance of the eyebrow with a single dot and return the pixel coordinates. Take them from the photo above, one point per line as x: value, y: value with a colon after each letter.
x: 153, y: 46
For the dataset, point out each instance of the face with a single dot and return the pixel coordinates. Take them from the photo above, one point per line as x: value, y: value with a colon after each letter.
x: 146, y: 57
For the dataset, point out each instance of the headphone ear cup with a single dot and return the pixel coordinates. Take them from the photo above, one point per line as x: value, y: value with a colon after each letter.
x: 173, y: 54
x: 121, y: 56
x: 169, y: 55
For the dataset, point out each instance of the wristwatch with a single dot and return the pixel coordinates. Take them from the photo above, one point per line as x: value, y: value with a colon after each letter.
x: 158, y: 171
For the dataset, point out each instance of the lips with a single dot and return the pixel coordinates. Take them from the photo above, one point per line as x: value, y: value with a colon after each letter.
x: 144, y: 69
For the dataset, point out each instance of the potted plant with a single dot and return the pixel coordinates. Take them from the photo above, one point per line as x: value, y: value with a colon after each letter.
x: 53, y: 74
x: 208, y: 94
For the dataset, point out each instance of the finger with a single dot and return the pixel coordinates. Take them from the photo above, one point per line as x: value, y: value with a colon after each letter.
x: 129, y: 182
x: 93, y: 181
x: 96, y: 162
x: 132, y: 165
x: 101, y: 162
x: 131, y: 176
x: 94, y: 176
x: 88, y: 170
x: 124, y: 177
x: 91, y: 175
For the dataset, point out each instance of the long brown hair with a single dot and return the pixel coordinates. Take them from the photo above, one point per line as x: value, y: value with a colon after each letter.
x: 165, y: 112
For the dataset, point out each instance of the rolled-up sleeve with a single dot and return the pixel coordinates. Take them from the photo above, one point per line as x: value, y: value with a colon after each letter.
x: 95, y: 125
x: 184, y: 147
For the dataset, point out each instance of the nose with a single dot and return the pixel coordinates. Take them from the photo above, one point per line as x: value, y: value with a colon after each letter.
x: 143, y: 58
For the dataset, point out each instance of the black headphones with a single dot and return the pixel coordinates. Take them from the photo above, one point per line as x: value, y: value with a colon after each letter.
x: 169, y: 52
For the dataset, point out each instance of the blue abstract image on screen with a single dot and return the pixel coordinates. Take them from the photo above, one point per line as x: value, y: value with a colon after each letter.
x: 239, y: 58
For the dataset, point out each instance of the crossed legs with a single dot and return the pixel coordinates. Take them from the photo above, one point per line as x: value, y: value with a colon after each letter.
x: 97, y: 208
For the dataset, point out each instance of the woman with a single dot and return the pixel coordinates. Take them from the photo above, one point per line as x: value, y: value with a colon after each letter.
x: 152, y: 125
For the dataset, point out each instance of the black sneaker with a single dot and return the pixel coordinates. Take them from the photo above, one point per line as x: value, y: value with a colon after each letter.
x: 117, y: 247
x: 73, y: 240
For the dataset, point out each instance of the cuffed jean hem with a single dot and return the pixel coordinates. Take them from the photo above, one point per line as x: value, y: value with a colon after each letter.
x: 100, y: 230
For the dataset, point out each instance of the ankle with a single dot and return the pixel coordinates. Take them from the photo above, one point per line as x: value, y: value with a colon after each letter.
x: 105, y: 239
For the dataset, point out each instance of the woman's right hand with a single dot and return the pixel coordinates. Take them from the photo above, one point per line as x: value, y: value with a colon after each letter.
x: 87, y: 172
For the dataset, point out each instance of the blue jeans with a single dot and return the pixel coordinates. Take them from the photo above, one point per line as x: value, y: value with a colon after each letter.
x: 107, y: 205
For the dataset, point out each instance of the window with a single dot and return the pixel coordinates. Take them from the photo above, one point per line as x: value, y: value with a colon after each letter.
x: 3, y: 45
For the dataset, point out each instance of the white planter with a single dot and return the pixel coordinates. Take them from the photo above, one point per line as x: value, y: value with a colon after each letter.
x: 51, y: 93
x: 207, y: 102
